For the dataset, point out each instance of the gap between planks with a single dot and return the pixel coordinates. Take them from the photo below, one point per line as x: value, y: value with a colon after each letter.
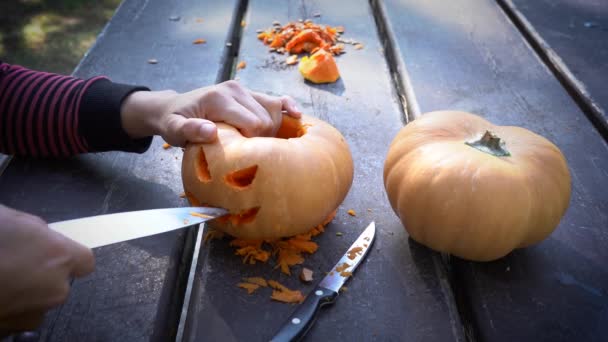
x: 402, y: 86
x: 229, y: 58
x: 4, y: 160
x: 575, y: 88
x: 191, y: 274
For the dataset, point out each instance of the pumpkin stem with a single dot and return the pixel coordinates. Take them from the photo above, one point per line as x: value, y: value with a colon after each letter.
x: 490, y: 143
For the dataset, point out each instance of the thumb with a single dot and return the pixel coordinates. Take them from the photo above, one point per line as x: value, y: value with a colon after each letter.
x: 180, y: 130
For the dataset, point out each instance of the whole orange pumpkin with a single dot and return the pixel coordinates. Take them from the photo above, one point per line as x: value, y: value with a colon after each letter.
x: 464, y: 186
x: 273, y: 187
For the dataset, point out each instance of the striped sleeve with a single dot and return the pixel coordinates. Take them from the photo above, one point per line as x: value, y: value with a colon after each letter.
x: 49, y: 115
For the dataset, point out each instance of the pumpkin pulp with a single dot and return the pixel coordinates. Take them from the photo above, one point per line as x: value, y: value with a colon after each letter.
x: 490, y: 143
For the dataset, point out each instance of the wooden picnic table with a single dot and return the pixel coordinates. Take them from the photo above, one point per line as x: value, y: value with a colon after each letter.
x: 506, y: 60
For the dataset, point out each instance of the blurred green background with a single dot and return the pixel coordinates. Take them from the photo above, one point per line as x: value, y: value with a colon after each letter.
x: 51, y: 35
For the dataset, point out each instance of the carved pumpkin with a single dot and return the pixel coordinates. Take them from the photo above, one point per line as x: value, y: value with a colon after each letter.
x: 464, y: 186
x: 273, y: 187
x: 320, y: 67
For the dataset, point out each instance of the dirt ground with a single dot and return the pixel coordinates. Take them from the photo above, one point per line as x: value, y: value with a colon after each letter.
x: 51, y: 35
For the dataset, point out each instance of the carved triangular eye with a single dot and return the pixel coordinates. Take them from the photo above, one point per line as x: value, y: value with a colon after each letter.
x: 242, y: 178
x: 202, y: 168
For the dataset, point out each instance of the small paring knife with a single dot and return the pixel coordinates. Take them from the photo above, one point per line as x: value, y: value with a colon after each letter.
x: 327, y: 291
x: 97, y: 231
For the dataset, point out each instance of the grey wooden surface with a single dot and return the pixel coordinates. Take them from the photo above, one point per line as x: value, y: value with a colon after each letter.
x: 466, y: 55
x: 575, y: 35
x: 400, y: 291
x: 136, y: 291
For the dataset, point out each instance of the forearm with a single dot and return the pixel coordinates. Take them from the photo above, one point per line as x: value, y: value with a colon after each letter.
x: 49, y: 115
x: 141, y: 112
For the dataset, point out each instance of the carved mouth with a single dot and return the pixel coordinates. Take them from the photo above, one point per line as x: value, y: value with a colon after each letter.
x: 243, y: 217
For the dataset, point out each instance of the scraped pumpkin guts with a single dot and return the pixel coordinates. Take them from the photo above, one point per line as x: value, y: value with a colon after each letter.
x: 286, y: 251
x: 346, y: 274
x: 249, y: 287
x: 202, y: 168
x: 280, y: 292
x: 342, y: 267
x: 257, y: 280
x: 241, y: 179
x: 243, y: 217
x: 284, y: 294
x: 291, y: 128
x: 250, y: 250
x: 354, y: 252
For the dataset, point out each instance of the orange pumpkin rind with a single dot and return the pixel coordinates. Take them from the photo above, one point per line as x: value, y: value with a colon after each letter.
x: 320, y: 67
x: 272, y: 187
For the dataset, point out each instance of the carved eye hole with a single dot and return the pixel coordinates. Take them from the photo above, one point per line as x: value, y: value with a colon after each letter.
x: 242, y: 178
x: 202, y: 168
x: 243, y: 217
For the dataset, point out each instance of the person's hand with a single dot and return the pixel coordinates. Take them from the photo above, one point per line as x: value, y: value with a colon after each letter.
x: 179, y: 118
x: 36, y: 264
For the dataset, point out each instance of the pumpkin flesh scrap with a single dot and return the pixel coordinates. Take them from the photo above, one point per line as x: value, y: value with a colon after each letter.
x: 284, y: 294
x: 200, y: 215
x: 354, y: 252
x: 257, y: 280
x: 296, y: 37
x: 249, y: 287
x: 288, y: 251
x: 320, y: 67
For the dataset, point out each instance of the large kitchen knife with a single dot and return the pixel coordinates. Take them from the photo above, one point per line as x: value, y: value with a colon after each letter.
x: 96, y: 231
x: 327, y: 291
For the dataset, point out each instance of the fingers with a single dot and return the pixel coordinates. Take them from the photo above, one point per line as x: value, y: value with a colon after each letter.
x: 248, y: 123
x: 289, y: 105
x: 180, y: 130
x: 254, y: 114
x: 84, y: 261
x: 267, y: 118
x: 272, y: 106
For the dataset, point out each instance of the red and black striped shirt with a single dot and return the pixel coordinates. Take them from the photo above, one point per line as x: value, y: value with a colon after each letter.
x: 49, y: 115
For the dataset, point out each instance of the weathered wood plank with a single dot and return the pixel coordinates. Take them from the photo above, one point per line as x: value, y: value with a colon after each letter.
x: 573, y: 37
x: 136, y: 291
x: 467, y: 55
x: 399, y: 292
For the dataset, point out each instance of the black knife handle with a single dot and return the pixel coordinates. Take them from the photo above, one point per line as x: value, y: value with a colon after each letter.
x: 303, y: 318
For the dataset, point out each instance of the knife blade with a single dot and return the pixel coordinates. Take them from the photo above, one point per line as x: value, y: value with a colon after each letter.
x: 101, y: 230
x: 302, y: 319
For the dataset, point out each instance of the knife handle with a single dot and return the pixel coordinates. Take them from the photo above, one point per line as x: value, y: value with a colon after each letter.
x: 303, y: 318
